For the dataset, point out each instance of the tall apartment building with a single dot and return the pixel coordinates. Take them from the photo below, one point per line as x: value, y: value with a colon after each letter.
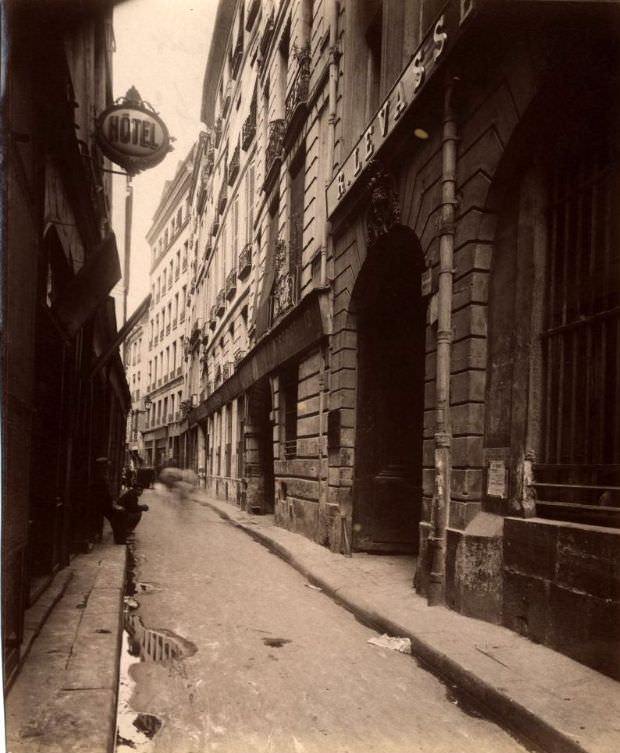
x: 136, y: 354
x: 257, y: 339
x: 404, y: 308
x: 65, y: 404
x: 169, y: 238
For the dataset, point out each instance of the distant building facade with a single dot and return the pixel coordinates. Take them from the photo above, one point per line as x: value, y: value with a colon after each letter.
x: 66, y: 396
x: 260, y: 256
x: 136, y: 353
x: 169, y: 239
x: 403, y: 309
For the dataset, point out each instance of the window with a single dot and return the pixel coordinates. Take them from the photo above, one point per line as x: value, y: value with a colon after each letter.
x: 296, y: 224
x: 373, y: 70
x: 249, y: 203
x: 288, y: 407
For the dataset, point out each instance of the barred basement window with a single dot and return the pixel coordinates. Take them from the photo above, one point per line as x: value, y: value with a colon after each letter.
x: 578, y: 477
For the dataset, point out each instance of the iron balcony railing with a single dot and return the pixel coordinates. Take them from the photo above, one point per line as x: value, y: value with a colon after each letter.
x: 220, y: 302
x: 298, y: 94
x: 245, y: 261
x: 233, y: 166
x: 248, y: 129
x: 236, y: 55
x: 275, y: 142
x: 231, y: 285
x: 217, y: 131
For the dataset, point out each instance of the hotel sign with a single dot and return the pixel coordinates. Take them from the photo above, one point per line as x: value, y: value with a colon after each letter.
x: 133, y: 135
x: 430, y: 52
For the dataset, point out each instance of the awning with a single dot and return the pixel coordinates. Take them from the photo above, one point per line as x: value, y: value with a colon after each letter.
x: 89, y: 288
x: 302, y: 328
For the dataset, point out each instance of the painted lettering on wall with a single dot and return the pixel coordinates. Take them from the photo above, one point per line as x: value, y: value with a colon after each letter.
x: 429, y: 54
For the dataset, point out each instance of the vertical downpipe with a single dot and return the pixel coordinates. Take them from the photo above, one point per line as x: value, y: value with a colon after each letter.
x: 331, y: 125
x: 443, y: 434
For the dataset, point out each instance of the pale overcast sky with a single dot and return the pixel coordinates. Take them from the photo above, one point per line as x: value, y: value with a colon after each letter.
x: 161, y: 49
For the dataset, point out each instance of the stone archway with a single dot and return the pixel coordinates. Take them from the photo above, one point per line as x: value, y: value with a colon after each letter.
x: 387, y: 313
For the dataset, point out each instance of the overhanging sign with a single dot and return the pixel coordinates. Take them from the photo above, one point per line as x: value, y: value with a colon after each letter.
x: 132, y: 134
x: 432, y: 49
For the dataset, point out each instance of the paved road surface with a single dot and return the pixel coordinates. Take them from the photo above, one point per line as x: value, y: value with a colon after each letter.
x: 249, y: 658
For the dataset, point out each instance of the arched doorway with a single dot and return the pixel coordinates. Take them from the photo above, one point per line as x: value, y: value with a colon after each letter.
x: 389, y: 315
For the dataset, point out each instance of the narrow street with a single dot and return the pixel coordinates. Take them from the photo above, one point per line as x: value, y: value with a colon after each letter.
x: 250, y: 657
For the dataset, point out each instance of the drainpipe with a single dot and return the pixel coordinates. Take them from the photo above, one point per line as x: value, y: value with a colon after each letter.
x: 326, y: 239
x: 443, y: 435
x: 331, y: 119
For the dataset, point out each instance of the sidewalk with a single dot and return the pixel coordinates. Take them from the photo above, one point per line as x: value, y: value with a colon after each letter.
x: 548, y: 700
x: 64, y: 698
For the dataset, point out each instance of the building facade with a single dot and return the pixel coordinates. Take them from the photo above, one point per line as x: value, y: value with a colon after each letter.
x: 136, y: 352
x: 476, y: 284
x: 260, y: 260
x: 169, y: 239
x: 403, y: 314
x: 66, y: 396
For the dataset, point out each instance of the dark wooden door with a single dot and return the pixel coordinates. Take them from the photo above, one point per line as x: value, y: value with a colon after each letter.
x: 389, y: 407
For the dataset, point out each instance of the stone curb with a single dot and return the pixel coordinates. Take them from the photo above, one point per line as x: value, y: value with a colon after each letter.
x: 533, y: 730
x: 72, y: 705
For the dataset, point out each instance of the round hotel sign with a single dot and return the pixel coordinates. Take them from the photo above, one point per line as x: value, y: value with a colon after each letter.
x: 133, y: 136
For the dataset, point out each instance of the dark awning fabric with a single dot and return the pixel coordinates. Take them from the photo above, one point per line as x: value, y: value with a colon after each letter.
x: 303, y: 327
x: 89, y: 288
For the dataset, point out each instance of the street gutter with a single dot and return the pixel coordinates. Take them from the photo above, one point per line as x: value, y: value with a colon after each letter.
x: 540, y: 716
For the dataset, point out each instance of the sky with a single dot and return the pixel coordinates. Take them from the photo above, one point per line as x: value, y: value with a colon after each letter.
x: 161, y: 49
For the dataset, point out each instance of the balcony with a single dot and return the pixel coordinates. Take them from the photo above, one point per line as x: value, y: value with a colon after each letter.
x: 248, y: 130
x: 245, y: 261
x: 252, y: 12
x: 171, y: 374
x: 161, y: 334
x: 222, y: 198
x: 236, y: 56
x: 213, y: 317
x: 239, y: 356
x: 170, y: 417
x: 226, y: 98
x: 220, y: 303
x: 231, y: 285
x: 208, y: 249
x: 179, y: 370
x: 217, y: 130
x: 168, y: 329
x: 226, y: 371
x: 174, y: 324
x: 273, y: 155
x: 209, y: 163
x: 297, y: 97
x: 286, y: 286
x: 215, y: 226
x: 233, y: 166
